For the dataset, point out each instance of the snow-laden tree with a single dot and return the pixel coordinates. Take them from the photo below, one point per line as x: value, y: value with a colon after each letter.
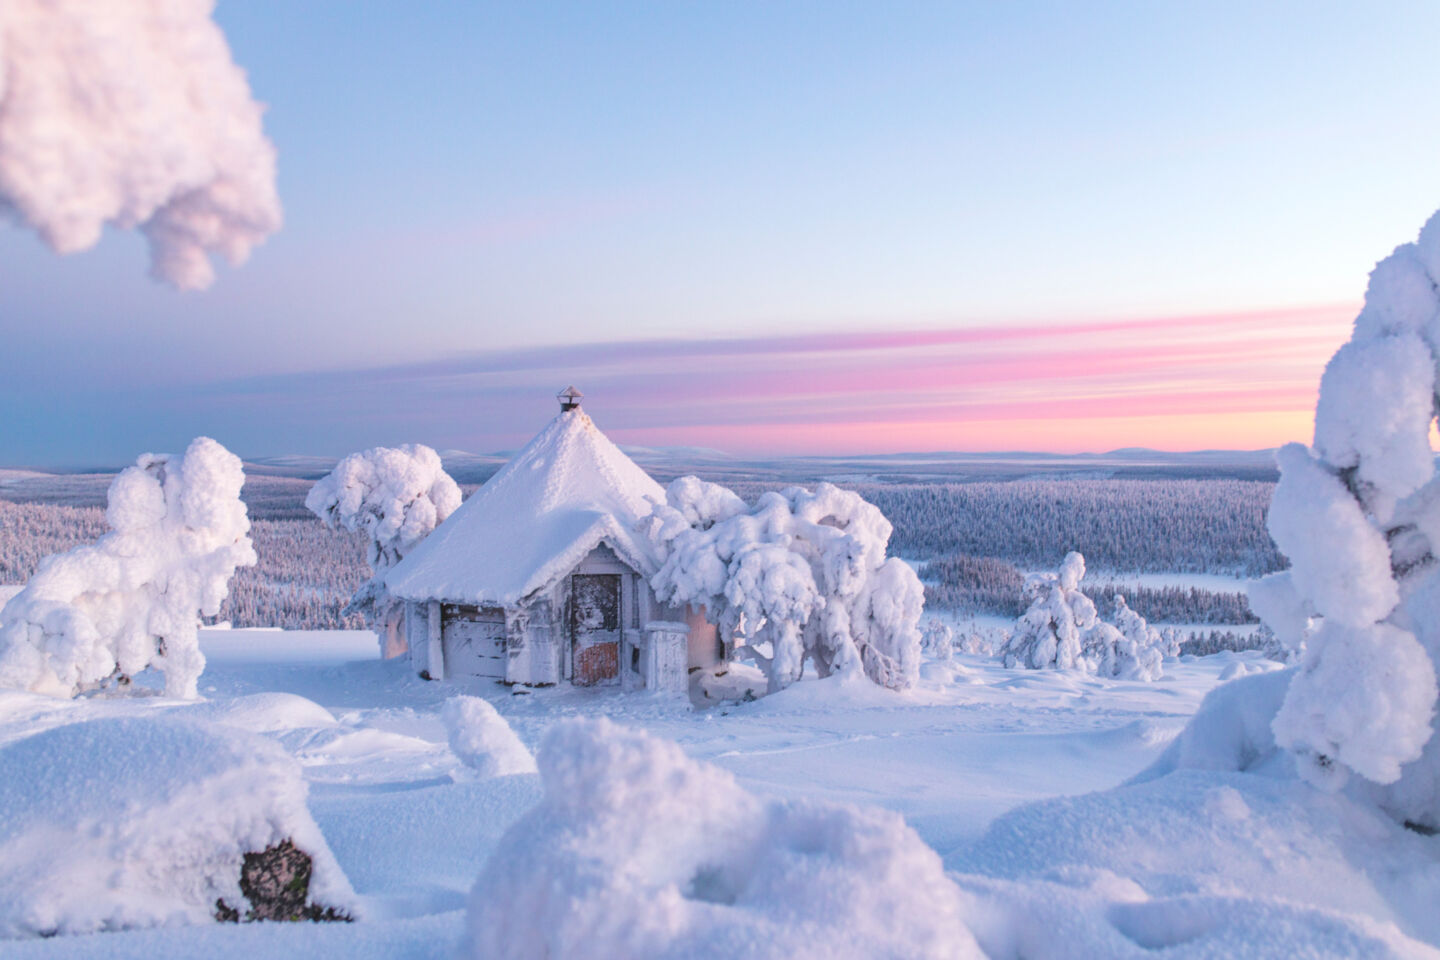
x: 131, y: 600
x: 1049, y: 632
x: 1358, y: 514
x: 1062, y: 630
x: 802, y: 572
x: 395, y: 496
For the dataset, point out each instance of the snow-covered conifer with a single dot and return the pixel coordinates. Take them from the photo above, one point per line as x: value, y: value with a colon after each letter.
x: 1358, y: 515
x: 395, y: 496
x: 133, y: 599
x: 1050, y: 631
x: 802, y: 572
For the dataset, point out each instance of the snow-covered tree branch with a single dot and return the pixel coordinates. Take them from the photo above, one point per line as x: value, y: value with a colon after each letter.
x: 802, y: 572
x: 133, y: 599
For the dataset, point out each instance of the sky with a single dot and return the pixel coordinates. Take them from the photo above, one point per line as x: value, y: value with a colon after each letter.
x: 767, y: 228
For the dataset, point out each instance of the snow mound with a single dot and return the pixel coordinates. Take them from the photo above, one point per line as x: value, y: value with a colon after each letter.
x: 1083, y: 912
x: 638, y: 851
x: 1231, y: 731
x: 1198, y: 860
x: 482, y: 739
x: 565, y: 493
x: 133, y: 114
x: 139, y: 822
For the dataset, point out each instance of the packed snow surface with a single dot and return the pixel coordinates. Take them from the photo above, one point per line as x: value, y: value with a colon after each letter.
x: 568, y: 490
x: 131, y: 113
x: 1015, y: 780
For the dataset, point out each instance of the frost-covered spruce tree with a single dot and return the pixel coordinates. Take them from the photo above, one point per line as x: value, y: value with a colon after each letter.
x: 1049, y: 632
x: 1358, y: 514
x: 804, y: 572
x: 131, y: 600
x: 395, y: 497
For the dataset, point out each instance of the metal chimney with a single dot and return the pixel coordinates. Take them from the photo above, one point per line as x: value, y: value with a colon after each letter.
x: 569, y: 399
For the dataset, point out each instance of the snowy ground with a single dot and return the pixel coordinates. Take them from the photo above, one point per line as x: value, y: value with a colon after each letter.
x: 411, y: 826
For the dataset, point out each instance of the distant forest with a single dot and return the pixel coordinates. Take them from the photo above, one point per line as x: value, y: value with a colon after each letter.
x: 974, y: 540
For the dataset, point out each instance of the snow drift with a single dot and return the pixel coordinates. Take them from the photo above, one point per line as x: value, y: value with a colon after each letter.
x: 802, y: 572
x: 133, y: 599
x: 638, y: 851
x: 131, y: 113
x: 124, y: 823
x: 482, y: 739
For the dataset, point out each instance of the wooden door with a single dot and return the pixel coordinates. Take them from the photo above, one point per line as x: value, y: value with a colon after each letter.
x: 595, y: 628
x: 473, y: 642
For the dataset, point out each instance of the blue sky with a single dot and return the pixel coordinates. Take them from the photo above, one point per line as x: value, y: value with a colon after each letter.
x: 461, y: 179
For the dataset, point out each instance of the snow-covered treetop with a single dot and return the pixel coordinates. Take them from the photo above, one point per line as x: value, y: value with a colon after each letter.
x: 567, y: 491
x: 394, y: 495
x: 133, y: 598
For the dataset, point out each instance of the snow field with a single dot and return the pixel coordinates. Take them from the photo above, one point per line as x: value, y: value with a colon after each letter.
x: 993, y: 771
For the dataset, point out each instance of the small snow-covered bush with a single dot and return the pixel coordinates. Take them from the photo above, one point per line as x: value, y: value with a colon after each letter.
x: 802, y: 572
x: 938, y: 640
x: 133, y: 599
x: 1130, y: 649
x: 638, y: 851
x: 1062, y: 630
x: 142, y: 822
x: 395, y: 496
x: 482, y: 739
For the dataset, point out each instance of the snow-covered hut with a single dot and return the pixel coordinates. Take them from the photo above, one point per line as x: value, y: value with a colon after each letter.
x: 542, y: 576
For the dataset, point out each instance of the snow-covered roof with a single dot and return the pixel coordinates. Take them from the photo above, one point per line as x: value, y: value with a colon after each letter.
x: 569, y: 490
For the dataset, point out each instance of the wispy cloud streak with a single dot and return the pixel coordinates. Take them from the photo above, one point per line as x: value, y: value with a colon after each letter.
x: 1240, y: 379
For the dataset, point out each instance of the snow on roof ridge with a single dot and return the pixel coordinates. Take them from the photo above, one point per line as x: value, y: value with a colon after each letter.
x: 569, y: 489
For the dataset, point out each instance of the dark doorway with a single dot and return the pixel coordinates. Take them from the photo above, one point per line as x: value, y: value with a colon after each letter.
x: 595, y: 628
